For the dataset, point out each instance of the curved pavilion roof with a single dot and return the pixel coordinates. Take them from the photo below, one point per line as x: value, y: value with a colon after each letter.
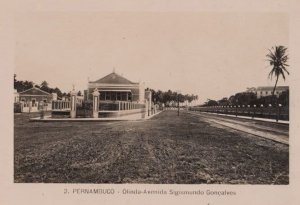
x: 113, y: 78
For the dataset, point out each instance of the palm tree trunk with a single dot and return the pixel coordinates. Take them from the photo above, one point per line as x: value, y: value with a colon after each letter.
x: 273, y: 94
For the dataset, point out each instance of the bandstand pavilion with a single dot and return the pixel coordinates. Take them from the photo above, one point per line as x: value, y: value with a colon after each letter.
x: 114, y: 87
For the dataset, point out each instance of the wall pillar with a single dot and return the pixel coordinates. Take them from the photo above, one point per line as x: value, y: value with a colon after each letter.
x: 146, y: 108
x: 73, y: 104
x: 96, y: 103
x: 148, y: 96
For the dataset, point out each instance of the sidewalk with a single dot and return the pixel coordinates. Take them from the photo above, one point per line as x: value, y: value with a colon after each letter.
x: 250, y: 118
x: 271, y: 131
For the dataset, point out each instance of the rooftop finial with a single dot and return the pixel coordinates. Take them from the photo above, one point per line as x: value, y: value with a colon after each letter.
x: 73, y: 86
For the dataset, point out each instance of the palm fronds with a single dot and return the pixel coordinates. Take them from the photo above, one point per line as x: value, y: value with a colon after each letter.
x: 278, y: 58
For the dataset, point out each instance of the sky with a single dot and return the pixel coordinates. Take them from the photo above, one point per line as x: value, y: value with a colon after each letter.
x: 210, y: 54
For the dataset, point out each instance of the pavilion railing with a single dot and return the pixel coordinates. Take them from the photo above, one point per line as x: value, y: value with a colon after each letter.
x: 119, y: 106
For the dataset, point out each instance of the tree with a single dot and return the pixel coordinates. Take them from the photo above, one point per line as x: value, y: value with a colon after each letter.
x: 58, y: 92
x: 223, y: 102
x: 22, y: 85
x: 210, y: 102
x: 45, y: 87
x: 278, y: 58
x: 284, y: 98
x: 45, y: 84
x: 243, y: 98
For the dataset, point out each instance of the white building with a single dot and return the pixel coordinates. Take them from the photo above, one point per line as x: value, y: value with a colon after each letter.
x: 268, y: 90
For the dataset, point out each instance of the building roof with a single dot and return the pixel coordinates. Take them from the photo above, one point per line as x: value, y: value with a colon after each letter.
x: 113, y: 78
x: 267, y: 88
x: 34, y: 91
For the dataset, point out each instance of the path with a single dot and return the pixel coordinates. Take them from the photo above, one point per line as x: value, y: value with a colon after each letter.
x: 268, y: 130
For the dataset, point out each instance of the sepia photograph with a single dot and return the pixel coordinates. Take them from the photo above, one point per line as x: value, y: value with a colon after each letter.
x: 152, y: 98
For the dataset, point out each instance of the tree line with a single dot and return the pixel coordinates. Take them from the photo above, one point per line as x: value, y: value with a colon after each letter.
x: 21, y: 86
x: 171, y: 98
x: 248, y: 98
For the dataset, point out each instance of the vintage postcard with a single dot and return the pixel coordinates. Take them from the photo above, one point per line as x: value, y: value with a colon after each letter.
x: 150, y: 103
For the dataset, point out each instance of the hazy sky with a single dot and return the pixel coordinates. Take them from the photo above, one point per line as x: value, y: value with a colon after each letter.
x: 213, y: 55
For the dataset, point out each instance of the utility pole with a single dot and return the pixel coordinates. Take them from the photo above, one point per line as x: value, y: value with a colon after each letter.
x: 178, y: 104
x: 178, y: 92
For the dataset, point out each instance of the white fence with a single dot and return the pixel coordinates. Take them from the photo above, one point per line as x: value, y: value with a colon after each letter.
x: 60, y: 105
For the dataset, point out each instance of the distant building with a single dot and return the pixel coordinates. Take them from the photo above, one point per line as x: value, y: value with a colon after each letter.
x: 268, y: 91
x: 114, y: 87
x: 32, y: 99
x: 35, y: 95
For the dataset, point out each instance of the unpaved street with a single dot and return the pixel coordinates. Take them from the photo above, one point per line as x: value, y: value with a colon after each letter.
x: 165, y: 149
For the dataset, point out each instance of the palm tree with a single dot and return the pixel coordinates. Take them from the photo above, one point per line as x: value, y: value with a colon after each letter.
x: 278, y: 58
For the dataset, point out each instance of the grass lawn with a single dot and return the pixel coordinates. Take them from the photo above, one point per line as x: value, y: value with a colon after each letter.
x: 164, y: 149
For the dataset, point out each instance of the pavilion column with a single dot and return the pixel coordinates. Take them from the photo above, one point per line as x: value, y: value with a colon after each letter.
x: 73, y: 104
x: 96, y: 103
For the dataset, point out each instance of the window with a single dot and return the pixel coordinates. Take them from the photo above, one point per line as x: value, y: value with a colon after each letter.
x: 113, y: 96
x: 129, y: 96
x: 118, y: 96
x: 24, y: 102
x: 102, y: 95
x: 266, y: 92
x: 33, y: 102
x: 108, y: 96
x: 261, y: 92
x: 124, y: 96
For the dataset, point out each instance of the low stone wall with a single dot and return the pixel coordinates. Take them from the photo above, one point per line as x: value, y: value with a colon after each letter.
x: 60, y: 114
x: 121, y: 113
x: 102, y: 114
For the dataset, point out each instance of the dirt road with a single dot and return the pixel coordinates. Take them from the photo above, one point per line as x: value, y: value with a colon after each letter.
x: 165, y: 149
